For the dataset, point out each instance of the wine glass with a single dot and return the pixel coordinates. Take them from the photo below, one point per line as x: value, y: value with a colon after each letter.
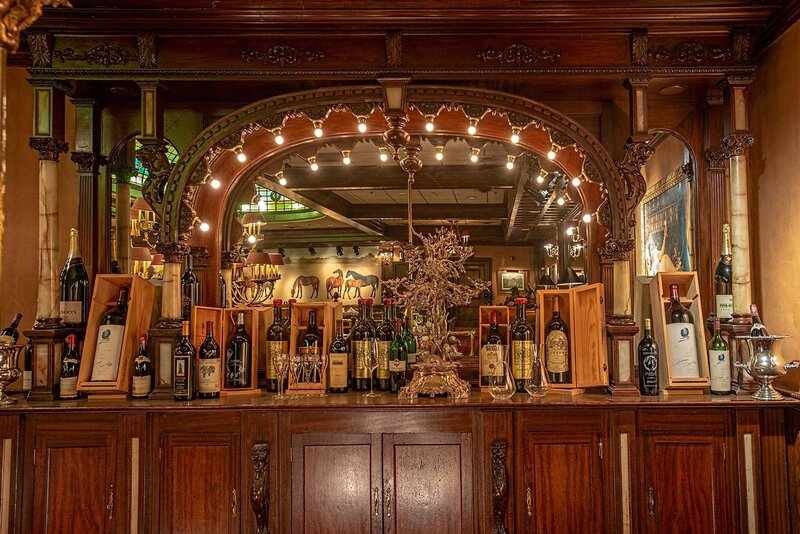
x: 502, y: 385
x: 538, y: 385
x: 280, y: 362
x: 321, y: 368
x: 309, y: 363
x: 296, y: 368
x: 370, y: 360
x: 9, y: 370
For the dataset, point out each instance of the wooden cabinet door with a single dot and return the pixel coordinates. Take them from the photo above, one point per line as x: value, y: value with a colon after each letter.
x: 336, y: 483
x: 198, y: 473
x: 427, y: 480
x: 562, y: 482
x: 74, y: 481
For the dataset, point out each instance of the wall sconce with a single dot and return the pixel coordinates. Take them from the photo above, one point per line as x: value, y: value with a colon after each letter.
x: 278, y: 133
x: 429, y: 126
x: 515, y: 131
x: 551, y: 250
x: 312, y: 162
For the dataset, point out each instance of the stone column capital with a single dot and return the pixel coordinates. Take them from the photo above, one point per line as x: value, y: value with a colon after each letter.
x: 87, y: 162
x: 174, y: 251
x: 49, y: 148
x: 615, y: 249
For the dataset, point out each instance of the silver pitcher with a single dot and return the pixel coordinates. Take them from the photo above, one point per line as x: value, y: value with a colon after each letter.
x: 765, y: 364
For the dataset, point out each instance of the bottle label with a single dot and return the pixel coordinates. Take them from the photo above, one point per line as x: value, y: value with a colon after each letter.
x: 682, y: 345
x: 383, y: 359
x: 234, y: 367
x: 337, y: 370
x: 412, y: 358
x: 720, y: 370
x: 141, y: 386
x: 362, y: 350
x: 275, y: 348
x: 180, y: 378
x: 71, y: 311
x: 397, y: 366
x: 492, y: 357
x: 557, y: 352
x: 27, y: 380
x: 107, y: 352
x: 649, y: 367
x: 208, y: 375
x: 69, y: 388
x: 522, y: 362
x: 6, y: 340
x: 724, y: 306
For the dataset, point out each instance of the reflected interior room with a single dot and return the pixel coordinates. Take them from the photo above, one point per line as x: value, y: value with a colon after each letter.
x: 359, y: 267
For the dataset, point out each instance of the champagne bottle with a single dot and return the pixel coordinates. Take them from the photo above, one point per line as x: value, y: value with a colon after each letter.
x: 756, y: 330
x: 398, y: 358
x: 556, y: 348
x: 209, y: 376
x: 338, y: 368
x: 183, y: 367
x: 27, y: 369
x: 190, y: 290
x: 493, y: 352
x: 238, y: 356
x: 277, y: 343
x: 115, y: 267
x: 142, y: 382
x: 719, y: 362
x: 522, y: 346
x: 110, y: 335
x: 681, y: 338
x: 385, y: 334
x: 10, y: 334
x: 70, y: 365
x: 723, y: 278
x: 648, y: 362
x: 310, y: 350
x: 74, y: 284
x: 361, y: 336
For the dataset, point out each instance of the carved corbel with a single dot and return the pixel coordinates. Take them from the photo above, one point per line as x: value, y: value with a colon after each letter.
x: 630, y: 168
x: 153, y: 155
x: 173, y: 251
x: 259, y: 490
x: 499, y: 487
x: 615, y: 249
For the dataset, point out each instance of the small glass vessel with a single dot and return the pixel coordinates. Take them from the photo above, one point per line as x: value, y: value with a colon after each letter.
x: 502, y: 385
x: 538, y: 385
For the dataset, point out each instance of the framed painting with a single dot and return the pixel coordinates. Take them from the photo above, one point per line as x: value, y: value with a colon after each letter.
x: 508, y: 279
x: 666, y: 229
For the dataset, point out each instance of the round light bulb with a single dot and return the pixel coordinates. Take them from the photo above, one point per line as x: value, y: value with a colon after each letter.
x: 440, y: 156
x: 252, y: 239
x: 540, y: 179
x: 204, y: 227
x: 587, y: 218
x: 576, y: 182
x: 346, y: 157
x: 279, y: 138
x: 362, y: 127
x: 318, y: 130
x: 429, y: 126
x: 551, y: 154
x: 472, y: 130
x: 509, y: 165
x: 384, y: 156
x: 314, y: 166
x: 282, y: 181
x: 515, y: 135
x: 474, y: 158
x: 241, y: 156
x: 216, y: 184
x: 560, y: 201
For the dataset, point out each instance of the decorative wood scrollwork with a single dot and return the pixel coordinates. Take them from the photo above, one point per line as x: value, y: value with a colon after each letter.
x: 519, y: 54
x: 639, y: 46
x: 228, y: 258
x: 173, y: 251
x: 105, y: 54
x: 87, y: 161
x: 153, y: 156
x: 18, y: 15
x: 736, y: 144
x: 39, y: 43
x: 49, y: 148
x: 259, y: 490
x: 615, y: 249
x: 148, y: 55
x: 689, y: 52
x: 282, y: 54
x: 499, y: 487
x: 394, y: 49
x: 630, y: 168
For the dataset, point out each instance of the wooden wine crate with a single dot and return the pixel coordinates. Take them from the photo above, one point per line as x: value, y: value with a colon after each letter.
x: 104, y: 297
x: 582, y: 309
x: 484, y: 321
x: 224, y: 326
x: 688, y: 289
x: 328, y: 314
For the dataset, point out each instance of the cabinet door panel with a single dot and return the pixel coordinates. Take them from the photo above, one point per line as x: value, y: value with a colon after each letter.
x: 335, y: 483
x: 428, y: 483
x: 563, y: 483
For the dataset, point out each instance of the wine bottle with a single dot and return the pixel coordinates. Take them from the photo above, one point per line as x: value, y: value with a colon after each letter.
x: 74, y: 283
x: 556, y: 348
x: 183, y: 367
x: 190, y: 290
x: 719, y: 362
x: 338, y: 368
x: 522, y: 346
x: 209, y: 377
x: 410, y: 339
x: 27, y: 368
x: 287, y: 323
x: 310, y: 349
x: 115, y: 267
x: 681, y: 338
x: 648, y: 362
x: 385, y: 334
x: 110, y: 335
x: 398, y: 358
x: 723, y: 278
x: 277, y: 343
x: 756, y: 330
x: 142, y: 382
x: 493, y: 353
x: 70, y: 365
x: 223, y: 292
x: 10, y: 334
x: 361, y: 336
x: 238, y: 354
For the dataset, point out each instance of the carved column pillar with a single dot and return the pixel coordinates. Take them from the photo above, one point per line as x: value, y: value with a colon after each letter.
x: 171, y: 288
x: 48, y: 140
x: 714, y: 200
x: 199, y: 264
x: 226, y: 270
x: 123, y: 226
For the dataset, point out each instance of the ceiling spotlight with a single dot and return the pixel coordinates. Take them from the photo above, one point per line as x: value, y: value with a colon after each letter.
x: 560, y: 201
x: 282, y: 252
x: 204, y: 227
x: 362, y: 124
x: 553, y: 151
x: 339, y: 251
x: 312, y: 161
x: 384, y: 154
x: 473, y: 127
x: 240, y: 155
x: 216, y: 184
x: 474, y: 157
x: 278, y: 135
x: 312, y: 250
x: 510, y: 162
x: 429, y: 122
x: 346, y: 157
x: 318, y: 128
x: 356, y: 250
x: 252, y: 239
x: 439, y: 153
x: 515, y: 131
x: 281, y: 178
x: 587, y: 218
x: 576, y: 182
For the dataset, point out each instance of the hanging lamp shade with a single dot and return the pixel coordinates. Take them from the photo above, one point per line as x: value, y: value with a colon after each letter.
x: 546, y: 281
x: 257, y: 257
x: 569, y: 279
x: 158, y: 259
x: 140, y: 254
x: 275, y: 258
x: 252, y: 217
x: 139, y: 205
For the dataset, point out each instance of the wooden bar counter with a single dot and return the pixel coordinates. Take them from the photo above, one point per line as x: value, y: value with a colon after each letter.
x: 344, y: 463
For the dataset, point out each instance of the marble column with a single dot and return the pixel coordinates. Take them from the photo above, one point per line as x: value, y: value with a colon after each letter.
x: 226, y: 270
x: 740, y: 236
x: 174, y: 254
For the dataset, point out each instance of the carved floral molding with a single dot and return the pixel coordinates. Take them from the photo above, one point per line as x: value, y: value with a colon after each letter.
x: 49, y: 148
x: 282, y: 55
x: 18, y: 15
x: 518, y: 54
x: 105, y: 54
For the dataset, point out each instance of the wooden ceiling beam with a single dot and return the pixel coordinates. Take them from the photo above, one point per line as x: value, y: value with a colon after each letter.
x: 460, y: 212
x: 552, y: 198
x: 514, y: 197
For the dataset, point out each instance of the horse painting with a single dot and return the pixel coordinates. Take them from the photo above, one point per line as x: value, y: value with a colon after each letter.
x: 355, y: 285
x: 334, y: 282
x: 368, y: 280
x: 302, y: 281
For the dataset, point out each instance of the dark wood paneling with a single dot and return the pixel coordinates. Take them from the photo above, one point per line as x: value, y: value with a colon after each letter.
x: 9, y: 460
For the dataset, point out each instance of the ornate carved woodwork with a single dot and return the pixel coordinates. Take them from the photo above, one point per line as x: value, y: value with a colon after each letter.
x: 49, y: 148
x: 639, y: 46
x: 153, y: 156
x: 87, y: 162
x: 173, y: 251
x: 105, y: 54
x: 394, y: 50
x: 17, y: 15
x: 147, y: 48
x: 259, y: 489
x: 518, y: 54
x: 616, y: 249
x: 636, y: 155
x: 499, y: 487
x: 228, y: 258
x: 282, y: 54
x: 736, y: 144
x: 689, y: 52
x: 40, y: 44
x: 716, y: 157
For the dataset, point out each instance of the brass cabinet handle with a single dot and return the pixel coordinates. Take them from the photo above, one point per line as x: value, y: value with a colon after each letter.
x: 110, y: 505
x: 388, y: 502
x: 235, y: 504
x: 529, y: 502
x: 651, y: 501
x: 376, y: 505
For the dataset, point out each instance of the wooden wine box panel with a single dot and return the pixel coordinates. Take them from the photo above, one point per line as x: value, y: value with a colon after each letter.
x: 224, y: 320
x: 582, y: 309
x: 688, y: 289
x: 484, y: 321
x: 104, y: 297
x: 328, y: 316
